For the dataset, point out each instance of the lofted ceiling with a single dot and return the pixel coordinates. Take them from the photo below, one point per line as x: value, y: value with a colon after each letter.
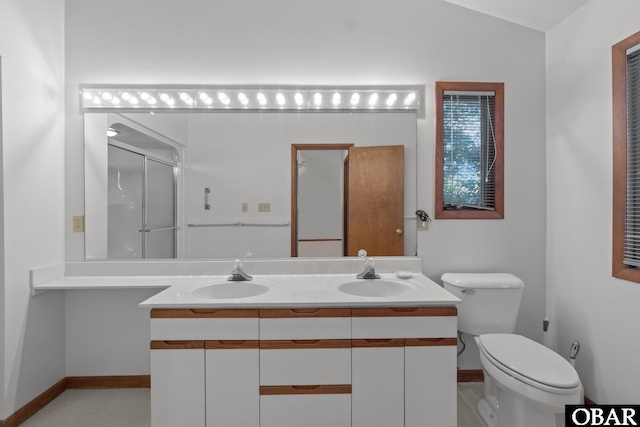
x: 541, y: 15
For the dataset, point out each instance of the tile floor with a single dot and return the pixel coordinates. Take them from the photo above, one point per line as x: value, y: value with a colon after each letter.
x: 131, y: 408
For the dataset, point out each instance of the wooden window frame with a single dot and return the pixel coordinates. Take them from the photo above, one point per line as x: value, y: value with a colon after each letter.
x: 619, y: 74
x: 439, y: 211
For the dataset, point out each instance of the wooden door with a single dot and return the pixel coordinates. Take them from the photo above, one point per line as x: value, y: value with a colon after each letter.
x: 374, y: 200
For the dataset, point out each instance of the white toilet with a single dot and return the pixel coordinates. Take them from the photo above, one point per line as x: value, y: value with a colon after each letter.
x: 526, y: 383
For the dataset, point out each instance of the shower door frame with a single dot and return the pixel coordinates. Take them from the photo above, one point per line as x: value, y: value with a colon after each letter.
x: 144, y: 229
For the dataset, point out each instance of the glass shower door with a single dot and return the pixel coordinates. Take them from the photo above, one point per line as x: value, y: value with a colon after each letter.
x: 142, y: 206
x: 160, y: 230
x: 125, y: 208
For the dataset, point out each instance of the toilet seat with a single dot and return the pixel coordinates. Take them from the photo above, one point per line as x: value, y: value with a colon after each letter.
x: 530, y: 362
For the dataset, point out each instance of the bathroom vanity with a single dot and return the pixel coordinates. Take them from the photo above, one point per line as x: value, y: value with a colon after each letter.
x: 304, y: 343
x: 311, y: 349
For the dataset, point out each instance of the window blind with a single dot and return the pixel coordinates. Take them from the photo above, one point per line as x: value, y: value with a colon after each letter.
x: 632, y: 226
x: 469, y: 150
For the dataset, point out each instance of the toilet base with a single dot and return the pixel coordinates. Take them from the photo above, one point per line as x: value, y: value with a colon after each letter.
x: 486, y: 413
x: 502, y: 407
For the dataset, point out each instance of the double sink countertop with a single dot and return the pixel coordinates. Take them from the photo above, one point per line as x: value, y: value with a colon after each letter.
x: 322, y: 282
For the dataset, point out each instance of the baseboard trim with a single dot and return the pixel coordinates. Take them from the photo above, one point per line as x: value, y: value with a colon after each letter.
x: 470, y: 376
x: 42, y: 400
x: 116, y: 381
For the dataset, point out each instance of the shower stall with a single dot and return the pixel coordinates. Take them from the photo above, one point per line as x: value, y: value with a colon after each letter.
x: 142, y: 204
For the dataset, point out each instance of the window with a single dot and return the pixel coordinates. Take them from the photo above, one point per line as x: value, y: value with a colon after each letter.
x: 469, y: 150
x: 626, y: 159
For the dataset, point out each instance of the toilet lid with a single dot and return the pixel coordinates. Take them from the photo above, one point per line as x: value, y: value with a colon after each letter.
x: 530, y: 359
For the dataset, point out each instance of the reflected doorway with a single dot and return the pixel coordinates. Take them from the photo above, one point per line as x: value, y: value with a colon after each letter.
x: 346, y: 198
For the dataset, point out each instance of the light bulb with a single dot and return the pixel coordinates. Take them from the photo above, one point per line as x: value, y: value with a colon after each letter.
x: 299, y: 99
x: 373, y: 99
x: 186, y: 98
x: 317, y: 99
x: 205, y: 98
x: 223, y: 98
x: 355, y: 99
x: 262, y: 99
x: 336, y: 99
x: 391, y: 99
x: 280, y: 99
x: 126, y: 96
x: 410, y: 98
x: 88, y: 96
x: 243, y: 99
x: 107, y: 96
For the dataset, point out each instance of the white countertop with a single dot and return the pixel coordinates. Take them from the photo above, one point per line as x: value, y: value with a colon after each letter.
x: 320, y: 290
x: 291, y: 282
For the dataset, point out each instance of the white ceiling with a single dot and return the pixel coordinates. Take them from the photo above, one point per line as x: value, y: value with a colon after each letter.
x: 540, y: 15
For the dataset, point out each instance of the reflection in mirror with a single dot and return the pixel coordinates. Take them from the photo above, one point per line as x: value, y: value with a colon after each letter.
x: 244, y: 160
x: 317, y: 198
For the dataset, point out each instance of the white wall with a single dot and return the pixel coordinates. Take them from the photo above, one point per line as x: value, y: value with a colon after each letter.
x: 32, y: 50
x: 584, y: 302
x: 337, y: 42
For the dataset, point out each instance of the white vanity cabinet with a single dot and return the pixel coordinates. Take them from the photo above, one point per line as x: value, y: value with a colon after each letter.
x: 404, y: 366
x: 210, y: 377
x: 317, y: 367
x: 177, y: 383
x: 305, y: 367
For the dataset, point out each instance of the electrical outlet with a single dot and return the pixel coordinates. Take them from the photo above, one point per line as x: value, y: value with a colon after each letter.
x: 78, y: 224
x: 245, y: 207
x: 264, y: 207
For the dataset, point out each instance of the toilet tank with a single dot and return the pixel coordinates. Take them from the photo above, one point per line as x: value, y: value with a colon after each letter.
x: 490, y: 301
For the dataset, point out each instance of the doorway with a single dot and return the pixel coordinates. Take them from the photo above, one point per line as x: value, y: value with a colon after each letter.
x: 346, y: 198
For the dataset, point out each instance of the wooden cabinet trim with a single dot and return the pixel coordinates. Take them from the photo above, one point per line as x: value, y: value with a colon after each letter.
x: 266, y: 390
x: 195, y: 313
x: 278, y: 313
x: 404, y: 311
x: 177, y: 345
x: 231, y: 344
x: 427, y: 342
x: 378, y: 342
x: 294, y: 344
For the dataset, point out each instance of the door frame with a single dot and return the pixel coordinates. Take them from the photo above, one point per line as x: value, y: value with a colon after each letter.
x: 294, y: 184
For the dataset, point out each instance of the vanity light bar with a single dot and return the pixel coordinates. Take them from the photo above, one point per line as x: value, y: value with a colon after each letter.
x: 233, y: 98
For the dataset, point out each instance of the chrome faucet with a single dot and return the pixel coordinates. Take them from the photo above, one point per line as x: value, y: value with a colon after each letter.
x: 238, y: 274
x: 369, y: 270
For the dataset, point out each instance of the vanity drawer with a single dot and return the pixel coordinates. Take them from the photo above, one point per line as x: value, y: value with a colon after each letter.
x: 204, y: 324
x: 404, y: 322
x: 301, y: 324
x: 314, y: 362
x: 309, y: 410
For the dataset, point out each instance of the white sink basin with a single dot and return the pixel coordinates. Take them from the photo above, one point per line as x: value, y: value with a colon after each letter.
x: 376, y: 288
x: 228, y: 290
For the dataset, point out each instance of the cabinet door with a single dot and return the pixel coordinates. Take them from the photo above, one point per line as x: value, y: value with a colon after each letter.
x: 430, y: 385
x: 177, y: 384
x: 308, y: 410
x: 233, y: 392
x: 378, y: 385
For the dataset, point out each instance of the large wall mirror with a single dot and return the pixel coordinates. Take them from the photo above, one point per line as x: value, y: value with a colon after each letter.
x: 219, y: 185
